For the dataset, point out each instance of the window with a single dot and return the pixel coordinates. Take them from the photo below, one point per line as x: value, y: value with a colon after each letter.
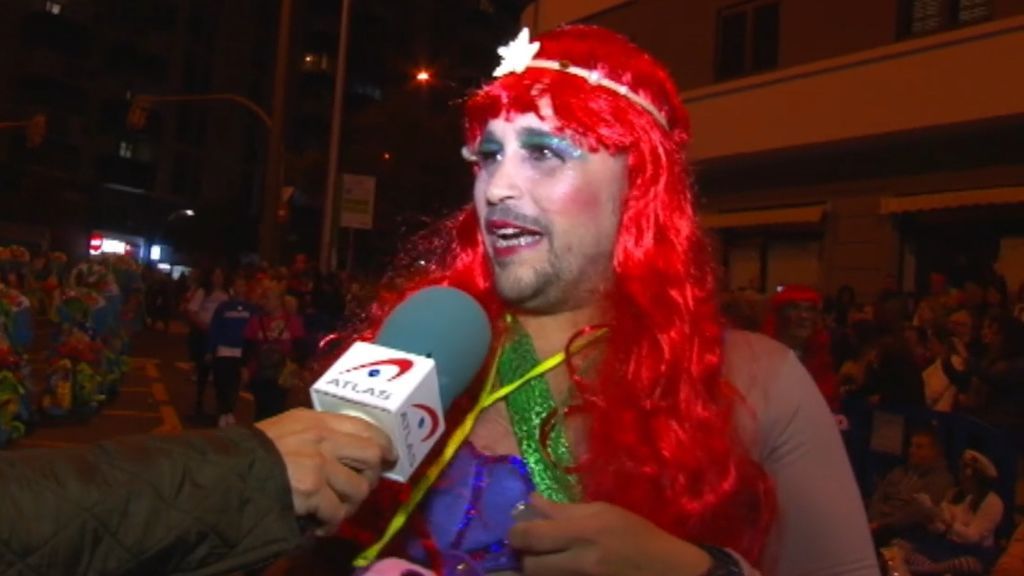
x: 748, y: 39
x: 54, y: 8
x: 927, y: 16
x: 124, y: 149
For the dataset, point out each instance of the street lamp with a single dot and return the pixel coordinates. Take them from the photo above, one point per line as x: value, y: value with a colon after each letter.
x: 423, y: 76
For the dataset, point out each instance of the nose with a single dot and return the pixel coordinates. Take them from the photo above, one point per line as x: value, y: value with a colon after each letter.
x: 503, y: 183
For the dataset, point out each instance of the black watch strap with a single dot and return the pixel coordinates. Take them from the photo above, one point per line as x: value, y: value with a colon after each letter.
x: 723, y: 563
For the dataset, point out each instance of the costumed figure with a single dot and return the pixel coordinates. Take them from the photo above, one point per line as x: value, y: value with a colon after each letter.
x: 95, y: 275
x: 615, y: 419
x: 17, y: 267
x: 50, y: 282
x: 131, y: 317
x: 13, y: 393
x: 73, y: 382
x: 16, y: 333
x: 795, y: 320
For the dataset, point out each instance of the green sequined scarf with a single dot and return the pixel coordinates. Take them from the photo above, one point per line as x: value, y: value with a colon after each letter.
x: 528, y: 407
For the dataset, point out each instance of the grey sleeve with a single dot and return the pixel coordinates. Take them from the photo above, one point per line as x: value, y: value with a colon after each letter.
x: 822, y: 527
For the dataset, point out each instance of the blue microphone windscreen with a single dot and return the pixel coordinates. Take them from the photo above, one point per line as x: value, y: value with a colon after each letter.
x: 445, y: 324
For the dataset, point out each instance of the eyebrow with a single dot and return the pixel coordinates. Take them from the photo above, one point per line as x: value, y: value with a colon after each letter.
x: 537, y: 132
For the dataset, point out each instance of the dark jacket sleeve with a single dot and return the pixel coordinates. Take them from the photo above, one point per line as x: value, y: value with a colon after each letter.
x: 197, y: 503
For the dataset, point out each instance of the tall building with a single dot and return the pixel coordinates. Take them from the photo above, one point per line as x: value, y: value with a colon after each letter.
x: 81, y: 62
x: 865, y: 143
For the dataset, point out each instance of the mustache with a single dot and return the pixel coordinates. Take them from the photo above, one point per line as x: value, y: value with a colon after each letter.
x: 507, y: 213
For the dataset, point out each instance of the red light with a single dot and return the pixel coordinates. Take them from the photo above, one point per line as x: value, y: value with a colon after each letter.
x: 95, y: 244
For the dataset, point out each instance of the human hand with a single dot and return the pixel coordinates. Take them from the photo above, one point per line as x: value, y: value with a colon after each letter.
x: 333, y: 461
x: 599, y: 539
x: 396, y: 567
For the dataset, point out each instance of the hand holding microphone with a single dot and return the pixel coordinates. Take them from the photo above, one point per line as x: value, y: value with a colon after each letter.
x: 332, y: 461
x: 427, y: 352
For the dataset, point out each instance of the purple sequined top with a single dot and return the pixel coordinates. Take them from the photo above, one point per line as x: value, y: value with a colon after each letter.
x: 469, y: 512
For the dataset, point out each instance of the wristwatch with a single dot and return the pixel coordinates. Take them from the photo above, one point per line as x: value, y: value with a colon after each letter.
x: 723, y: 563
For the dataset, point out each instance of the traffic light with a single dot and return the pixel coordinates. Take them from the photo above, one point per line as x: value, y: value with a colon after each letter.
x: 35, y: 131
x: 138, y: 114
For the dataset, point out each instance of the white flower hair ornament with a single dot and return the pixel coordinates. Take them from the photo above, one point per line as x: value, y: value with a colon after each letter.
x: 517, y: 54
x: 520, y: 54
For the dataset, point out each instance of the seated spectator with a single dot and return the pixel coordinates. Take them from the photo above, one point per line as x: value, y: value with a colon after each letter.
x: 1011, y: 563
x: 894, y: 511
x: 962, y: 530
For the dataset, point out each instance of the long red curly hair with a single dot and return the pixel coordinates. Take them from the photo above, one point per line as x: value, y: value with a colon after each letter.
x: 662, y: 439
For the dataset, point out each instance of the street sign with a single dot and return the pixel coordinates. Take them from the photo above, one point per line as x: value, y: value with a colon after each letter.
x: 357, y: 193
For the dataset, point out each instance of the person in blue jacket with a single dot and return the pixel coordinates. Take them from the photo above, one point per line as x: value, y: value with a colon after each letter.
x: 226, y: 341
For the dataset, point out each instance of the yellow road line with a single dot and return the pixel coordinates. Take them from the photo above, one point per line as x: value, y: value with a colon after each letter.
x: 170, y: 418
x: 160, y: 392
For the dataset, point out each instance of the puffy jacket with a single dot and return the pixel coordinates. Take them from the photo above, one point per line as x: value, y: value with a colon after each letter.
x: 197, y: 503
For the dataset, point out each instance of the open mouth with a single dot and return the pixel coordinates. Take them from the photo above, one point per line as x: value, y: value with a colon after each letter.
x: 508, y: 236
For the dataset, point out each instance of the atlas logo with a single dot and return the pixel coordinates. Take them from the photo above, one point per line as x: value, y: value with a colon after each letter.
x: 401, y: 366
x: 428, y: 422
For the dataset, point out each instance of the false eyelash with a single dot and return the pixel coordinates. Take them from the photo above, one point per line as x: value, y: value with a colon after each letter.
x: 468, y: 155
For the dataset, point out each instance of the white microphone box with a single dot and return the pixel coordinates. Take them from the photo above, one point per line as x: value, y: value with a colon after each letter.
x: 395, y: 390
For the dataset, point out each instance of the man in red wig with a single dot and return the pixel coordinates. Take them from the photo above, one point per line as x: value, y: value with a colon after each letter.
x: 636, y: 436
x: 795, y: 320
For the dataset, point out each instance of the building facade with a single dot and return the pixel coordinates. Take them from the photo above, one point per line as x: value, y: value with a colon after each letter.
x: 80, y: 62
x: 864, y: 143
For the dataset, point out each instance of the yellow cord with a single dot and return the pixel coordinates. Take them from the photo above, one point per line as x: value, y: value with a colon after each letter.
x: 487, y: 398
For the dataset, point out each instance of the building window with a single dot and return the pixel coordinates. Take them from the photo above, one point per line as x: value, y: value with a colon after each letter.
x: 124, y: 149
x: 748, y: 39
x: 921, y: 17
x: 54, y: 8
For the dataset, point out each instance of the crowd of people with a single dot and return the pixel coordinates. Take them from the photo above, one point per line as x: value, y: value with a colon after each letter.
x: 952, y: 352
x: 260, y: 328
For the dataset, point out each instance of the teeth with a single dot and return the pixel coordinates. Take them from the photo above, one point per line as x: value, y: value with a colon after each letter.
x: 517, y: 241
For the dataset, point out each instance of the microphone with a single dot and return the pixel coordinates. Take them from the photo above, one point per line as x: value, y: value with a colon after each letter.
x: 426, y: 353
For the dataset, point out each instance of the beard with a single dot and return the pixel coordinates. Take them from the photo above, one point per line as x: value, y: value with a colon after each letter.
x: 528, y: 287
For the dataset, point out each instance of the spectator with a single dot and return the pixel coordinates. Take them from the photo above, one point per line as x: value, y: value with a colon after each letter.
x: 226, y: 344
x: 795, y: 320
x: 949, y: 374
x: 863, y: 344
x: 273, y: 339
x: 846, y: 302
x: 894, y: 511
x: 201, y: 306
x: 1001, y: 371
x: 962, y: 530
x: 936, y: 305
